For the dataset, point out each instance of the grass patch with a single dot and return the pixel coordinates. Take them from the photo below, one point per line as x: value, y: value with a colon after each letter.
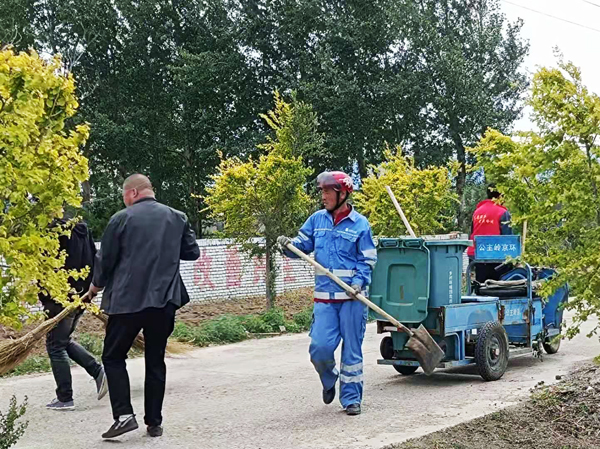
x: 232, y: 329
x: 92, y: 343
x: 33, y: 364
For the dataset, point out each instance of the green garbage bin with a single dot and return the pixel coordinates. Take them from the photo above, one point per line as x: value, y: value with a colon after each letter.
x: 446, y: 261
x: 413, y: 275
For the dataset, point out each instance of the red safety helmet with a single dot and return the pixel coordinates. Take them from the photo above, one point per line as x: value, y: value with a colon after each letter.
x: 337, y: 180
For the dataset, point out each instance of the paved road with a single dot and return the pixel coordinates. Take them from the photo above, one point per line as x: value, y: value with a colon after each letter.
x: 264, y: 394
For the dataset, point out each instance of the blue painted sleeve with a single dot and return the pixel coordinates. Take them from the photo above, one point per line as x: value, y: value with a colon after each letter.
x: 367, y: 258
x: 305, y: 240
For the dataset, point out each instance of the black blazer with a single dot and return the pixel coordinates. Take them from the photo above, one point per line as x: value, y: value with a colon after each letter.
x: 138, y: 262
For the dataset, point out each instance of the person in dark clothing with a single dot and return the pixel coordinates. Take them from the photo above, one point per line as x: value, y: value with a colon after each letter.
x: 489, y: 218
x: 80, y: 250
x: 138, y: 268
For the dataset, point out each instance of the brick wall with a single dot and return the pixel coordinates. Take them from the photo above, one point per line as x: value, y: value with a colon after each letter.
x: 224, y: 272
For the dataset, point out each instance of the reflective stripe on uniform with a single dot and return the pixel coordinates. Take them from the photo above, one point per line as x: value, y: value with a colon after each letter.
x: 352, y: 368
x: 321, y: 295
x: 344, y: 295
x: 370, y: 253
x: 351, y: 379
x: 343, y: 273
x: 303, y: 237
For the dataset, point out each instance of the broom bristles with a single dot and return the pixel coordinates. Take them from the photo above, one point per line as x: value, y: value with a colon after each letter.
x: 14, y: 352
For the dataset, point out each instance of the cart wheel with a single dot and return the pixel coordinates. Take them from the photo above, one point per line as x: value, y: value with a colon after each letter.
x: 491, y: 351
x: 406, y: 370
x: 386, y: 348
x: 551, y: 345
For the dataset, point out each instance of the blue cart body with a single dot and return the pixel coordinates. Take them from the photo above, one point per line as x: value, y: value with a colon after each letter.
x: 418, y: 282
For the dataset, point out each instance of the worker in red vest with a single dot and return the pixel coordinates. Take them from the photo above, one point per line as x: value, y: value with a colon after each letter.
x: 489, y: 218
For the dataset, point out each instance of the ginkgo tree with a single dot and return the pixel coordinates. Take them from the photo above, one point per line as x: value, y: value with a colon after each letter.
x: 266, y: 197
x: 425, y: 195
x: 551, y: 178
x: 41, y: 170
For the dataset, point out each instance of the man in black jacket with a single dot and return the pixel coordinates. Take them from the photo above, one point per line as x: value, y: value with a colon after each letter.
x: 138, y: 268
x: 80, y: 250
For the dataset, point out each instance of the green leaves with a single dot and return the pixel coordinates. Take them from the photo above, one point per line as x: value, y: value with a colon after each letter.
x: 41, y: 168
x: 425, y: 195
x: 265, y: 197
x: 550, y: 179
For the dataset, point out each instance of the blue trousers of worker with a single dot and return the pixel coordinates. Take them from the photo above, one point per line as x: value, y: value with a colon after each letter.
x: 332, y: 323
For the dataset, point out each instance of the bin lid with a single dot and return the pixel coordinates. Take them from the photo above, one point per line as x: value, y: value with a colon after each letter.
x: 448, y: 242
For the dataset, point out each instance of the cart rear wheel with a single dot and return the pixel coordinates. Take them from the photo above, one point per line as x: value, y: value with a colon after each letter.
x: 551, y: 345
x: 386, y: 348
x: 491, y: 351
x: 406, y: 370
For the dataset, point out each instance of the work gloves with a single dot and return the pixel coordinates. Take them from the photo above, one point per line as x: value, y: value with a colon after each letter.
x: 283, y: 241
x: 357, y: 288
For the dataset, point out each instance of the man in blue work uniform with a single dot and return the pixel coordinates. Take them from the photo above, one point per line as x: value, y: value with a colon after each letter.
x: 343, y: 243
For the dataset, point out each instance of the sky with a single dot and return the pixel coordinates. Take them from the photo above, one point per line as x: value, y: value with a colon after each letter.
x: 578, y: 44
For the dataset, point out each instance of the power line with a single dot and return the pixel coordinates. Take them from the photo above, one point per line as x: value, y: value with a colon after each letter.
x: 553, y: 17
x: 591, y: 3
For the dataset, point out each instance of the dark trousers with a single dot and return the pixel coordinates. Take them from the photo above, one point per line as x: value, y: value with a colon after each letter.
x: 121, y: 331
x: 61, y: 348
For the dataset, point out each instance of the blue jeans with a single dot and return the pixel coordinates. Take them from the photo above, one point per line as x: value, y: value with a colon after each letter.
x: 61, y: 348
x: 334, y: 322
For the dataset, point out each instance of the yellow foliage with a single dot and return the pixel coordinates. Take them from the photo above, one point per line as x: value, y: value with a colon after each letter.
x: 41, y: 168
x: 551, y: 179
x: 425, y: 195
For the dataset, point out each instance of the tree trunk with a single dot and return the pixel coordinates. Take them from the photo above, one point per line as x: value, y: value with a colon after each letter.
x: 461, y: 180
x: 86, y: 190
x: 270, y: 276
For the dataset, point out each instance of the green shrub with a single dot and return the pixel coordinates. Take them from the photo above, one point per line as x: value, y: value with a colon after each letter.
x: 274, y: 319
x: 225, y: 329
x: 190, y: 334
x: 255, y: 324
x: 232, y: 329
x: 304, y: 319
x: 92, y: 343
x: 10, y: 429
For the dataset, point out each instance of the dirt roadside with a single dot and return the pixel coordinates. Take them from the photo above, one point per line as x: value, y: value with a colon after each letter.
x: 565, y: 415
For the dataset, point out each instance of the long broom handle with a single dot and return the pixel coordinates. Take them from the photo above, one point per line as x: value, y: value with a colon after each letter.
x: 400, y: 212
x: 58, y: 318
x: 349, y: 289
x: 524, y: 237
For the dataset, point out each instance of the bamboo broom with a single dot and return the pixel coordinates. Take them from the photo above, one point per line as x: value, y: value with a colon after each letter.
x: 13, y: 352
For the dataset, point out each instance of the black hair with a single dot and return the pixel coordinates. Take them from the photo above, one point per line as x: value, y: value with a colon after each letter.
x: 492, y: 193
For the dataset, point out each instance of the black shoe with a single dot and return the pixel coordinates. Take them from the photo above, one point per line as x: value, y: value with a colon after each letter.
x: 120, y: 427
x: 155, y: 431
x: 329, y: 395
x: 353, y: 409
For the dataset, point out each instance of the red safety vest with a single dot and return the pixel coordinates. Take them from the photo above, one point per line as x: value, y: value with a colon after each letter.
x: 486, y: 221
